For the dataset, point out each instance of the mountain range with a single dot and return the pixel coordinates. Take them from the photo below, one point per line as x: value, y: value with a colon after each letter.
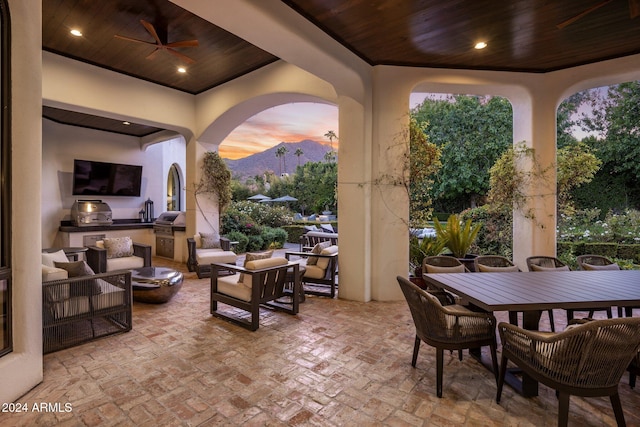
x: 257, y: 164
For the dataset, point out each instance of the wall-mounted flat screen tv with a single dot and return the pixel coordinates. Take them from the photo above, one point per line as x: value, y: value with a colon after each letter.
x: 106, y: 179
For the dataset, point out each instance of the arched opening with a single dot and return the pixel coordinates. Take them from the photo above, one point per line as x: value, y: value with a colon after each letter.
x: 174, y: 200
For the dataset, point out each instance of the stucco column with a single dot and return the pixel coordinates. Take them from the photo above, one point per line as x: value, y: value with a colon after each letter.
x: 202, y: 216
x: 389, y: 228
x: 354, y: 207
x: 534, y: 224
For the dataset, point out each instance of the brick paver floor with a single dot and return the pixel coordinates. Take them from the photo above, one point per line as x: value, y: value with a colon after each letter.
x: 337, y: 363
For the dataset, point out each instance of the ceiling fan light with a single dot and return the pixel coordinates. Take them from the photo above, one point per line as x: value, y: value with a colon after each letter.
x: 480, y: 45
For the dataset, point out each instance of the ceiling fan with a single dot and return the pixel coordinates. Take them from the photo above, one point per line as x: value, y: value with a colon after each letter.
x: 168, y: 47
x: 634, y: 11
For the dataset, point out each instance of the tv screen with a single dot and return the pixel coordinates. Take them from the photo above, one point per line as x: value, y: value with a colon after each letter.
x: 105, y: 179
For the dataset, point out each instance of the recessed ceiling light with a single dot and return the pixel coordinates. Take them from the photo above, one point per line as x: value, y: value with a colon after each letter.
x: 126, y: 123
x: 480, y: 45
x: 182, y: 70
x: 76, y: 33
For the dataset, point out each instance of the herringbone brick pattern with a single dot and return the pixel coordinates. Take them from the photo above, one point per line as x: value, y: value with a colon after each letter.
x: 337, y: 363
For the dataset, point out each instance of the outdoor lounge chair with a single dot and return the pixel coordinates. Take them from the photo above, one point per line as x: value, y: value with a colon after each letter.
x: 263, y: 284
x: 587, y: 360
x: 320, y: 270
x: 451, y: 327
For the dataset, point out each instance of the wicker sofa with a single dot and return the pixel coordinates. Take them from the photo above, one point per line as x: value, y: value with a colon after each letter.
x: 80, y: 309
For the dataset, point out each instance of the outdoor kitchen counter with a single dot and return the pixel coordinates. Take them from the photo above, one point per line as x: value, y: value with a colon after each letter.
x: 118, y: 224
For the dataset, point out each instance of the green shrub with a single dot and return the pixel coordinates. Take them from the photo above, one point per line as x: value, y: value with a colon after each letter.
x: 242, y: 239
x: 609, y: 250
x: 274, y: 238
x: 256, y: 243
x: 294, y: 231
x: 629, y: 252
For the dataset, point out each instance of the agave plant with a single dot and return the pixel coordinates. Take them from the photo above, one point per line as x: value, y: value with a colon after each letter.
x: 458, y: 236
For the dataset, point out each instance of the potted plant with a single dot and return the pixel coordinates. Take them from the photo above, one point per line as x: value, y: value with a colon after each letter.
x: 458, y: 237
x: 418, y: 250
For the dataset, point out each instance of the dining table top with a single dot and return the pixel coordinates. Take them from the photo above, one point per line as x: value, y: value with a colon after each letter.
x: 543, y: 290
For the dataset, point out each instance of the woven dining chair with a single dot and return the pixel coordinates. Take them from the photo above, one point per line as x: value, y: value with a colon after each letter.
x: 598, y: 262
x: 549, y: 263
x: 442, y: 264
x: 451, y: 327
x: 496, y: 264
x: 587, y: 360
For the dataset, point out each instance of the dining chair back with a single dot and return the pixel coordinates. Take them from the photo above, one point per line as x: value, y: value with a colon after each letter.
x: 587, y: 360
x: 598, y: 262
x: 450, y: 327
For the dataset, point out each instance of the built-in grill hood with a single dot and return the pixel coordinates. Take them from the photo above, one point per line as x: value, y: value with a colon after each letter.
x: 85, y: 213
x: 172, y: 218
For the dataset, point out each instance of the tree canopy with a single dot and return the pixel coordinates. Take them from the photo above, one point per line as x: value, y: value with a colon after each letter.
x: 472, y: 132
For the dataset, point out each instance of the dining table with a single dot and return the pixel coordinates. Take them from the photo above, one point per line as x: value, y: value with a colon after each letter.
x: 534, y: 292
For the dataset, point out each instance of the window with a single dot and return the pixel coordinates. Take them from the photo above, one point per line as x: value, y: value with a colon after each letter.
x: 173, y: 189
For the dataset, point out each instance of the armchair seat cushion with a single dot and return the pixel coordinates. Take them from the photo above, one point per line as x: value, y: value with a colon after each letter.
x: 229, y: 285
x: 211, y: 256
x: 53, y: 273
x: 125, y: 263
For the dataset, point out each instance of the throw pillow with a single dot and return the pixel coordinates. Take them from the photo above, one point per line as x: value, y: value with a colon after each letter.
x: 210, y: 240
x: 601, y: 267
x: 118, y: 247
x: 87, y: 287
x: 489, y: 269
x: 540, y: 268
x: 317, y: 249
x: 440, y: 269
x: 253, y: 256
x: 49, y: 258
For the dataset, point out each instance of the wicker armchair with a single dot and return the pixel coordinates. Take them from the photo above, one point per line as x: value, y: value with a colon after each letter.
x: 587, y: 360
x: 549, y: 263
x: 452, y: 327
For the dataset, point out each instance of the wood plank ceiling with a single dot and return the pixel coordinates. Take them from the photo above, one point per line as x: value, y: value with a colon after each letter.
x: 522, y: 35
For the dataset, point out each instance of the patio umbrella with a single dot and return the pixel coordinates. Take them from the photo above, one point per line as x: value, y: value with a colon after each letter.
x: 258, y: 197
x: 285, y: 199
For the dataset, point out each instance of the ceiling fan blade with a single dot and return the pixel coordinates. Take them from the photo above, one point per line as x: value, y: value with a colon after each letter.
x: 150, y: 28
x: 582, y: 14
x: 133, y: 40
x: 154, y: 53
x: 185, y: 43
x: 634, y: 8
x: 185, y: 58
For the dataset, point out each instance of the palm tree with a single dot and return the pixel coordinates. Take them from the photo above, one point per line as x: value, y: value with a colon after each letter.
x: 331, y: 135
x: 299, y: 153
x: 280, y: 152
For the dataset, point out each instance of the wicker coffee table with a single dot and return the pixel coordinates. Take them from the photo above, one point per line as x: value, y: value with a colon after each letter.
x: 155, y: 285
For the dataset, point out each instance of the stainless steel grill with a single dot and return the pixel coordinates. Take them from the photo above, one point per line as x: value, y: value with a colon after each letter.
x: 85, y: 213
x: 163, y: 228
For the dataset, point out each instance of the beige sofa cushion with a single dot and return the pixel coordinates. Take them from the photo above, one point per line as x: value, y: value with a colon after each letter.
x: 230, y: 285
x: 53, y: 273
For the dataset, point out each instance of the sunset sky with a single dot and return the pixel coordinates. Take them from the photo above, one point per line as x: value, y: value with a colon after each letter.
x: 285, y: 123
